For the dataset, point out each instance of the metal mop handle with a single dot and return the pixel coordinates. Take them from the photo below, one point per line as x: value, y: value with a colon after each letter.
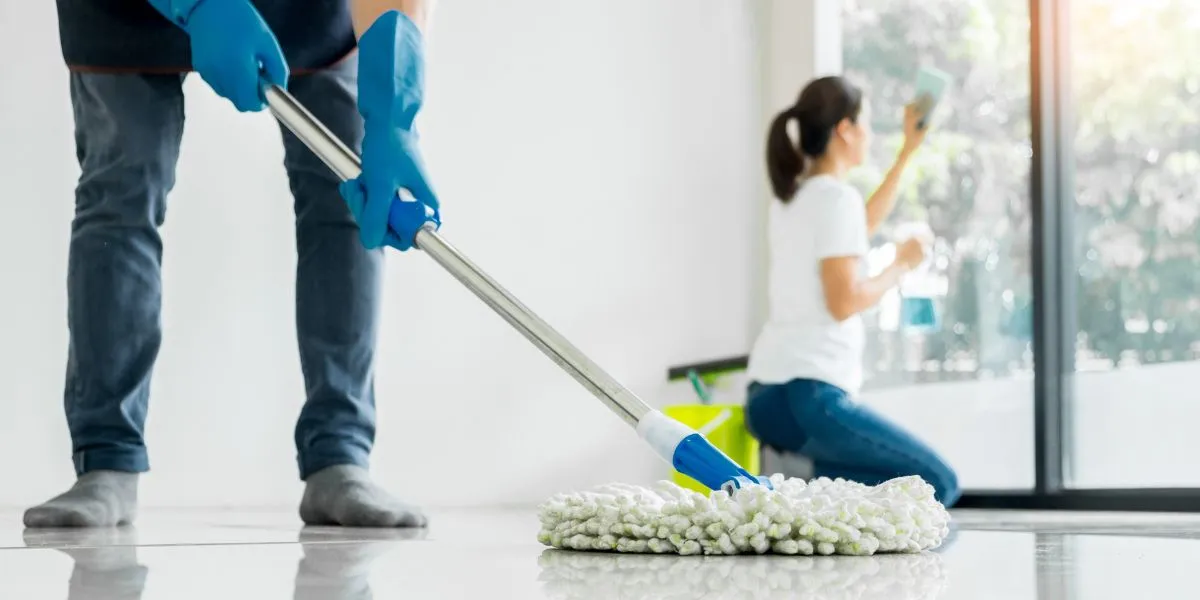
x: 348, y: 165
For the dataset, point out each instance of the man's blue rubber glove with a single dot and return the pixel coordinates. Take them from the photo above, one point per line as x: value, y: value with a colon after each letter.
x: 391, y: 74
x: 231, y: 45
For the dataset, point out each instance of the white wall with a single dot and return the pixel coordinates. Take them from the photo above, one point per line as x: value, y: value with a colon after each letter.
x: 594, y: 157
x: 801, y: 39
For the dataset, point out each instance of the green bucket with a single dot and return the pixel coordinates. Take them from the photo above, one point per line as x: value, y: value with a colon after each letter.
x: 725, y: 426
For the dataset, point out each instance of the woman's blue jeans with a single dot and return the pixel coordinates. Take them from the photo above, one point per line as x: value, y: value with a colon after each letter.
x: 843, y: 438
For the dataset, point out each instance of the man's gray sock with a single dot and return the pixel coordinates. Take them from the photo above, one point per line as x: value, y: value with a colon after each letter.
x: 345, y: 495
x: 98, y: 499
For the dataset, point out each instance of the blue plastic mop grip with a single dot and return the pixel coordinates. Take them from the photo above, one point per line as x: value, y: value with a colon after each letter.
x: 402, y: 221
x: 693, y: 455
x: 697, y: 458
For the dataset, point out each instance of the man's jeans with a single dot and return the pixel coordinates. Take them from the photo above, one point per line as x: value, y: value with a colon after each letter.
x: 127, y: 134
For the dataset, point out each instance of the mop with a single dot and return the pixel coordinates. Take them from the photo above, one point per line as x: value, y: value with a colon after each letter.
x: 833, y: 516
x: 791, y: 516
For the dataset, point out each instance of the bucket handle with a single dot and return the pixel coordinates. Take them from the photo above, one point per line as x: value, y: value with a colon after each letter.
x: 716, y: 422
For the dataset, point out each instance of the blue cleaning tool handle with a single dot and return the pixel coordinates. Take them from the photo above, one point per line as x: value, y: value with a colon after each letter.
x: 693, y: 455
x: 405, y: 212
x: 405, y: 216
x: 697, y: 458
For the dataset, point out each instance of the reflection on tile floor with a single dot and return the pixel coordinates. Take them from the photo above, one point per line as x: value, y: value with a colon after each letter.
x: 492, y: 554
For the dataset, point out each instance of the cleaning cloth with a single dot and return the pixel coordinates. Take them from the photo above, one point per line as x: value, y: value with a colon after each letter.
x: 796, y: 517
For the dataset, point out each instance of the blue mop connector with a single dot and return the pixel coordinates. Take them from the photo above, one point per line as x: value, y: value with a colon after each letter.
x: 693, y: 455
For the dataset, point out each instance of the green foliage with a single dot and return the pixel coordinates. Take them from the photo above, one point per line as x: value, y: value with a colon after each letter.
x: 1135, y: 82
x: 1136, y: 103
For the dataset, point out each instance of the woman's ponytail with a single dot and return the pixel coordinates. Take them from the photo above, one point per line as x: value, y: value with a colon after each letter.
x: 785, y: 161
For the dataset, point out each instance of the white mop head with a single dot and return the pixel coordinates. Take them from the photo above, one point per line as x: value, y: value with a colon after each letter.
x: 797, y: 517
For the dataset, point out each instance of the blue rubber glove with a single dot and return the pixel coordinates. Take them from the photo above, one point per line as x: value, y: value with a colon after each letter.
x: 231, y: 46
x: 392, y: 199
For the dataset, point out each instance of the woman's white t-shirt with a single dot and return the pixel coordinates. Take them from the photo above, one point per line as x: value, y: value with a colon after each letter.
x: 827, y: 218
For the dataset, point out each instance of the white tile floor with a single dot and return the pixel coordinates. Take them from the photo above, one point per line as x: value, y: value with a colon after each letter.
x: 493, y: 554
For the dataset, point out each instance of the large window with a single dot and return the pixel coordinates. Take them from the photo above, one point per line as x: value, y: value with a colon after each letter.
x: 1135, y: 75
x: 1117, y: 200
x: 966, y: 385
